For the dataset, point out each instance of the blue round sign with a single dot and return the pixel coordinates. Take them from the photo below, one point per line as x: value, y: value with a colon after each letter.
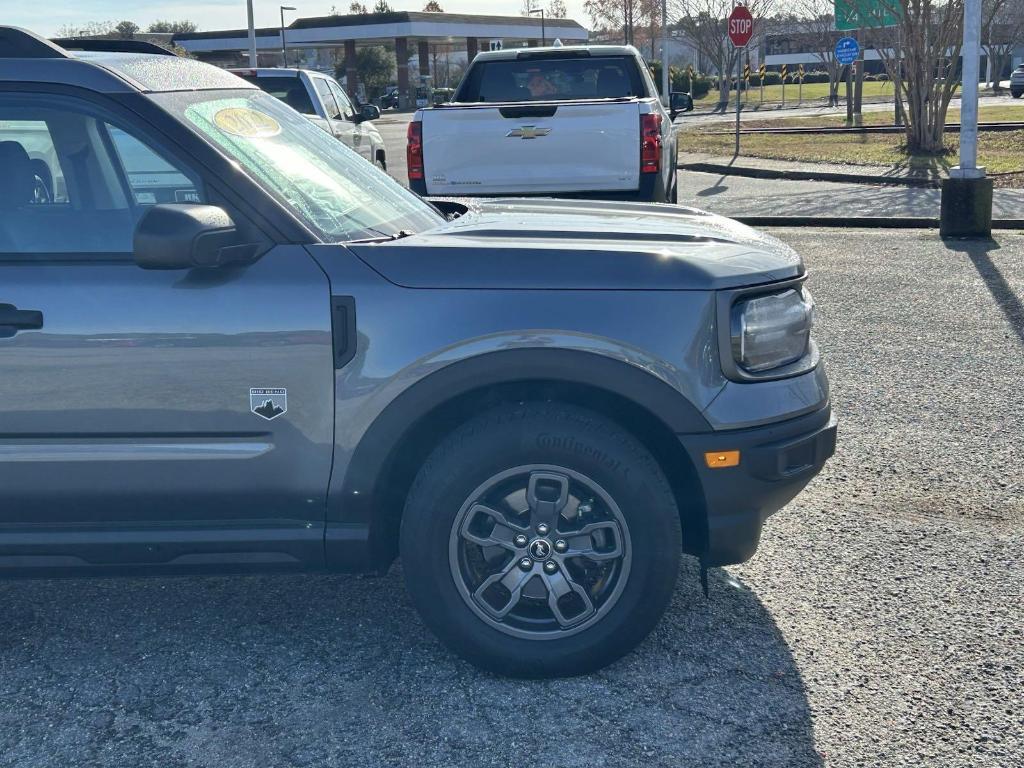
x: 847, y: 50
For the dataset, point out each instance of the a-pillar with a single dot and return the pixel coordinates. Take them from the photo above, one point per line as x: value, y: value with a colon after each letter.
x: 472, y: 48
x: 424, y: 51
x: 351, y: 73
x: 402, y: 55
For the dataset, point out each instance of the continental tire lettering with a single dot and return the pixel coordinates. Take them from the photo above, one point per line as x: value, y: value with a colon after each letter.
x: 575, y: 447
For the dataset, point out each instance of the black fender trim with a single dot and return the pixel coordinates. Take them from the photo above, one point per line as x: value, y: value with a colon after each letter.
x: 361, y: 498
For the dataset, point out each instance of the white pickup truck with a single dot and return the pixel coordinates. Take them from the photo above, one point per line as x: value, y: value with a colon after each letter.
x: 572, y: 121
x: 322, y: 100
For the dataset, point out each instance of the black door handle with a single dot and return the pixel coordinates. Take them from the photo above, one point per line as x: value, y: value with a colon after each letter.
x: 13, y: 320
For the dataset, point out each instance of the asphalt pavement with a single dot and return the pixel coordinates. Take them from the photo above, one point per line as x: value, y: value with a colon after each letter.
x: 878, y: 625
x: 743, y: 196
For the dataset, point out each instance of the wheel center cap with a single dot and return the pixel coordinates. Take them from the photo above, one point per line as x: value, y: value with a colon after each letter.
x: 540, y: 549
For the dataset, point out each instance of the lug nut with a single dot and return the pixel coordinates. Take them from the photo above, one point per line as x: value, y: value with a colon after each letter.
x: 543, y: 529
x: 585, y: 508
x: 526, y: 564
x: 550, y: 567
x: 561, y: 545
x: 520, y: 540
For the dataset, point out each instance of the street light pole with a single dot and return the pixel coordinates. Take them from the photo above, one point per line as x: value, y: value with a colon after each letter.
x: 252, y: 35
x: 284, y: 46
x: 664, y: 53
x: 966, y: 209
x: 543, y: 33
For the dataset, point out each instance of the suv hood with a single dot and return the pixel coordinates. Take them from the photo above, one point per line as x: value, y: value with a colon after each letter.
x: 523, y: 244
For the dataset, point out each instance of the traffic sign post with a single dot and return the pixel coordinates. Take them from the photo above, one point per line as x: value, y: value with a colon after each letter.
x: 741, y: 29
x: 846, y: 52
x: 785, y: 73
x: 800, y: 73
x: 760, y: 73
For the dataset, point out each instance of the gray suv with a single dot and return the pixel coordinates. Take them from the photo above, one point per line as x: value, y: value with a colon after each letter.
x: 228, y: 342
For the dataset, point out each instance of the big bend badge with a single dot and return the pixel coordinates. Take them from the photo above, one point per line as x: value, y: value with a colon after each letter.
x: 268, y: 403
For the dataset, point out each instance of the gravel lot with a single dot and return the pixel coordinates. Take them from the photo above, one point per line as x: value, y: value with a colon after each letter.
x: 880, y: 623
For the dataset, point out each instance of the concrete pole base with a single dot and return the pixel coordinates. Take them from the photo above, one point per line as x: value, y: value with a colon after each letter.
x: 966, y: 208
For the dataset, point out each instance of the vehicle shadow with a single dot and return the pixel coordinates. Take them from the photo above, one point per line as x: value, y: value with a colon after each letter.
x: 1008, y: 302
x: 338, y: 670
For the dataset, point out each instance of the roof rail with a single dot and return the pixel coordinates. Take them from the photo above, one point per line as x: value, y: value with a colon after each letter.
x: 18, y: 43
x: 111, y: 46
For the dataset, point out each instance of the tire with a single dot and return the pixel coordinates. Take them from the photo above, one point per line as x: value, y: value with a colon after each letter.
x: 380, y: 162
x: 1017, y: 94
x: 673, y: 195
x: 614, y: 520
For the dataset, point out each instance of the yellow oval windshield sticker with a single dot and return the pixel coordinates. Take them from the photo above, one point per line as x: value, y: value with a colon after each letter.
x: 248, y: 123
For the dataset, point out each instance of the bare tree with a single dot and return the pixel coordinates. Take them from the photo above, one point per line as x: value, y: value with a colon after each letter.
x: 625, y: 15
x: 923, y: 65
x: 817, y: 27
x: 557, y: 9
x: 704, y: 25
x: 1002, y: 30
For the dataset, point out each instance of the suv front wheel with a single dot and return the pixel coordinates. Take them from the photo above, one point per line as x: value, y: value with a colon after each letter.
x: 541, y: 540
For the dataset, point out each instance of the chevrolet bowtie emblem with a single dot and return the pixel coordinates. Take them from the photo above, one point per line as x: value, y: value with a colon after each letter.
x: 527, y: 132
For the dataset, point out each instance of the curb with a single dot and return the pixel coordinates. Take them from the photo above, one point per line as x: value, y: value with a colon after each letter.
x: 861, y: 222
x: 787, y: 175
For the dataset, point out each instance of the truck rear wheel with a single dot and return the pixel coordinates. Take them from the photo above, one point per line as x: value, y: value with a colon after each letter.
x: 540, y: 540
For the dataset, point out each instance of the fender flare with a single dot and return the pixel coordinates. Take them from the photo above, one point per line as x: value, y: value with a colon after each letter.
x: 361, y: 495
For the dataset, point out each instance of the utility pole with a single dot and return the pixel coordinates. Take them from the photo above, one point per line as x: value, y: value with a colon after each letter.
x: 967, y: 193
x: 665, y: 89
x: 252, y: 35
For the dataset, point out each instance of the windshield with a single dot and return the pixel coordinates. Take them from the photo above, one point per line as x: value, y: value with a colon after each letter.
x: 340, y: 195
x: 586, y: 77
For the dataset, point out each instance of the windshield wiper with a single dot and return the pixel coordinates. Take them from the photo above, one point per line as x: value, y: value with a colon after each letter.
x: 385, y: 238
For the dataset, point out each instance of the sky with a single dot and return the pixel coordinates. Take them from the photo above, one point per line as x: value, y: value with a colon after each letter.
x: 45, y: 18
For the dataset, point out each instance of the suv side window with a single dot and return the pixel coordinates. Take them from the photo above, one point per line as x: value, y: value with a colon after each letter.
x: 76, y: 179
x: 333, y: 111
x: 347, y: 111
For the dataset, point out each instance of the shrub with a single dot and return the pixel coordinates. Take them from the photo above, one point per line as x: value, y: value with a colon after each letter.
x: 702, y: 84
x: 816, y: 77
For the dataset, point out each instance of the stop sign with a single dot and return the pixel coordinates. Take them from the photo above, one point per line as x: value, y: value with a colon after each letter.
x: 741, y: 26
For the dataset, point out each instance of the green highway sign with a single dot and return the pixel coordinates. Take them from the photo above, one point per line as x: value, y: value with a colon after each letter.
x: 854, y: 14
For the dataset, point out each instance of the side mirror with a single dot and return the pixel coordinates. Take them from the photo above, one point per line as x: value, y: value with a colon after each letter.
x: 369, y: 112
x: 188, y: 236
x: 679, y: 101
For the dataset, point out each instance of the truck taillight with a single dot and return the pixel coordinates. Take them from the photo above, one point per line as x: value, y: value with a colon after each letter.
x: 650, y: 143
x: 414, y: 150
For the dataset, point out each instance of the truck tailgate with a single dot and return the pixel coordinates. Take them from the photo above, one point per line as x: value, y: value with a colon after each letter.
x: 510, y: 149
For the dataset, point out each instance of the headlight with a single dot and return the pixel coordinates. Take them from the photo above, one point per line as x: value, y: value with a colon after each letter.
x: 771, y: 331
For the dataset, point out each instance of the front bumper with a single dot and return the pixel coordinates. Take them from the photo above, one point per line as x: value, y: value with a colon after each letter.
x: 776, y: 462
